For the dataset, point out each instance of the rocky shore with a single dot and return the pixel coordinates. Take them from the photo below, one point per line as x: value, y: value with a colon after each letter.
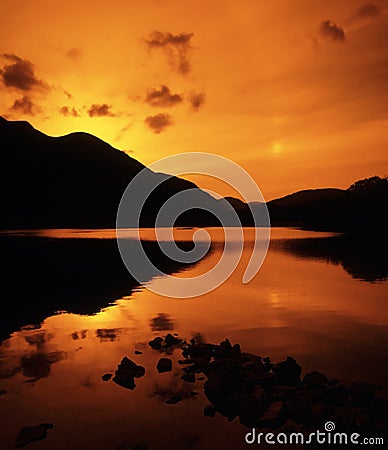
x: 263, y: 394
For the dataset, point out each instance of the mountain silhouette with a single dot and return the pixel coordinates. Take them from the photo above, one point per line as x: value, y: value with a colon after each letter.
x: 77, y: 181
x: 360, y: 207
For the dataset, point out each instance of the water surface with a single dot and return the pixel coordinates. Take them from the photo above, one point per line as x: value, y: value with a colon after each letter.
x: 319, y: 297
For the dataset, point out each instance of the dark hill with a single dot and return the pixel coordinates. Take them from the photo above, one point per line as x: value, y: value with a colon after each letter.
x: 75, y: 181
x: 78, y: 180
x: 362, y: 206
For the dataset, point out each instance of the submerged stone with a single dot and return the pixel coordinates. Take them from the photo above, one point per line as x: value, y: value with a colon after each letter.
x: 315, y: 379
x: 189, y: 377
x: 156, y: 343
x: 171, y: 341
x: 126, y: 373
x: 164, y: 365
x: 32, y: 434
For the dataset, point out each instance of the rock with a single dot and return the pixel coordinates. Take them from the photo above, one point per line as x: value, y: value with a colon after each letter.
x: 258, y: 394
x: 156, y: 343
x: 2, y: 392
x: 201, y: 363
x: 31, y: 434
x: 315, y: 379
x: 249, y: 411
x: 272, y: 413
x: 189, y: 377
x: 171, y: 340
x: 224, y: 350
x: 298, y: 408
x: 185, y: 361
x: 164, y: 365
x: 360, y: 388
x: 126, y: 373
x: 209, y: 411
x: 128, y: 366
x: 107, y: 376
x: 174, y: 399
x: 347, y: 418
x: 288, y: 372
x: 319, y: 411
x: 125, y: 380
x: 223, y: 378
x: 200, y: 350
x: 138, y: 352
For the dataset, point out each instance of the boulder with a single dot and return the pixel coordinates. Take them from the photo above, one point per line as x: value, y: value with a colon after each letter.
x: 32, y: 434
x: 164, y: 365
x: 315, y: 379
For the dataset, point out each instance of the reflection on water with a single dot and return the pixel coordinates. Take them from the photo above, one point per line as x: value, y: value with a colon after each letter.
x: 364, y: 258
x: 314, y: 298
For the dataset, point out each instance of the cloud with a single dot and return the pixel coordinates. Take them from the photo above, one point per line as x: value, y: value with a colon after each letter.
x: 67, y: 93
x: 24, y: 105
x: 163, y: 97
x: 158, y: 122
x: 176, y: 46
x: 74, y: 53
x: 368, y: 11
x: 122, y: 132
x: 20, y: 74
x: 196, y: 101
x: 67, y: 111
x: 162, y: 322
x: 103, y: 110
x: 330, y: 31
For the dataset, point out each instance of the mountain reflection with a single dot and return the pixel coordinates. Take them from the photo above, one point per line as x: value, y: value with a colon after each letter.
x: 42, y: 276
x: 362, y: 257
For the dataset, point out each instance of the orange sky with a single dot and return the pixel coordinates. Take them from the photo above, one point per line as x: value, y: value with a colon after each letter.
x: 294, y: 91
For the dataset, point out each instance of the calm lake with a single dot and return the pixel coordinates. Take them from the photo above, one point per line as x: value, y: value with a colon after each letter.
x: 319, y: 297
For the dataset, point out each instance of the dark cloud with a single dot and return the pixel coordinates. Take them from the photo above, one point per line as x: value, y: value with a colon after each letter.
x: 330, y: 31
x: 108, y: 334
x: 158, y: 122
x: 368, y: 11
x: 20, y: 74
x: 103, y: 110
x: 196, y: 101
x: 67, y: 93
x: 163, y: 97
x: 74, y: 54
x: 38, y: 365
x: 67, y: 111
x: 176, y: 46
x: 161, y: 322
x: 24, y: 105
x: 122, y: 132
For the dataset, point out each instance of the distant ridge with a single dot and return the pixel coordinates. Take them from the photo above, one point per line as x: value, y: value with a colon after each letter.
x: 77, y: 181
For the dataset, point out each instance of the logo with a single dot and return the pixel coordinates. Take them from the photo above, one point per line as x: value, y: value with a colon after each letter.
x: 153, y: 184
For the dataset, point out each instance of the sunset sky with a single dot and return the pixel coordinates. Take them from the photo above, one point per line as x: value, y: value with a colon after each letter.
x: 294, y: 91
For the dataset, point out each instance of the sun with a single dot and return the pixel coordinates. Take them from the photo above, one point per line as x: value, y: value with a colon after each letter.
x: 277, y: 148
